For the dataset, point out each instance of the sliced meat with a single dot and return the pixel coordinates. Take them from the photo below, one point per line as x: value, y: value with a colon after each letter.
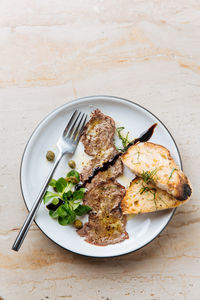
x: 106, y: 223
x: 89, y: 168
x: 106, y: 229
x: 98, y: 141
x: 104, y: 196
x: 98, y: 135
x: 102, y: 176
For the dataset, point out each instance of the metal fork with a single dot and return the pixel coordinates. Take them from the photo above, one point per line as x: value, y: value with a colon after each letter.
x: 67, y: 143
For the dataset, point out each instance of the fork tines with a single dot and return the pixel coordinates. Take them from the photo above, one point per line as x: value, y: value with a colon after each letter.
x: 73, y: 131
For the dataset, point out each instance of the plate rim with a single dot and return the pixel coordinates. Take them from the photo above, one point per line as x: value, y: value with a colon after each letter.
x: 90, y: 98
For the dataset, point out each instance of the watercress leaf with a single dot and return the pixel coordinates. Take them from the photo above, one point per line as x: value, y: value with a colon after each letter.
x: 61, y: 184
x: 67, y: 196
x: 52, y: 183
x: 82, y: 209
x: 48, y: 196
x: 61, y: 211
x: 78, y: 195
x: 74, y: 173
x: 53, y: 214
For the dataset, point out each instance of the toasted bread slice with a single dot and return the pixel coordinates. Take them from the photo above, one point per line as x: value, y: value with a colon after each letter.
x: 144, y: 197
x: 154, y: 163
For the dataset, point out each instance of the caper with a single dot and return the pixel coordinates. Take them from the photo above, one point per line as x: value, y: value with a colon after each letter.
x: 50, y: 156
x: 72, y: 164
x: 78, y: 224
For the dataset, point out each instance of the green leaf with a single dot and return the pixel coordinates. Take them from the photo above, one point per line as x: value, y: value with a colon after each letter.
x: 78, y: 195
x: 65, y: 205
x: 55, y: 201
x: 53, y: 214
x: 63, y: 221
x: 52, y: 183
x: 74, y: 173
x: 74, y: 204
x: 61, y: 184
x: 71, y: 217
x: 68, y: 219
x: 82, y: 209
x: 67, y: 196
x: 61, y: 211
x: 48, y: 196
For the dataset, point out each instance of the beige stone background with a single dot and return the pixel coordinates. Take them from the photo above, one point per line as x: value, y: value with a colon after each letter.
x: 54, y: 51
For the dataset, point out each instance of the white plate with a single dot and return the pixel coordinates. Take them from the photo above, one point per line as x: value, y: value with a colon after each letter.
x: 142, y: 229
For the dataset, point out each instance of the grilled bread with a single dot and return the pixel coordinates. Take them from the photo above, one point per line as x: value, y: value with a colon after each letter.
x: 154, y: 164
x: 144, y: 197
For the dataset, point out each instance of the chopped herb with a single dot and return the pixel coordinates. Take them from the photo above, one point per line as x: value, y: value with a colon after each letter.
x: 125, y: 141
x: 170, y: 176
x: 146, y: 189
x: 154, y: 196
x: 148, y: 176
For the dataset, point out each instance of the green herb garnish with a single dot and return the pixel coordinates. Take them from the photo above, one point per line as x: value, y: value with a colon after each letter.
x: 48, y: 196
x: 138, y: 155
x: 125, y: 141
x: 146, y: 189
x: 71, y: 205
x: 170, y: 176
x: 148, y: 176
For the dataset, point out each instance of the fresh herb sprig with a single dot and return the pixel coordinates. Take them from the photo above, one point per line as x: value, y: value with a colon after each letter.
x: 71, y: 204
x: 146, y: 189
x: 148, y: 176
x: 125, y: 140
x: 172, y: 171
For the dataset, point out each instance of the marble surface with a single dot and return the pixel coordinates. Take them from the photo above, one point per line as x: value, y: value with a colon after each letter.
x: 54, y: 51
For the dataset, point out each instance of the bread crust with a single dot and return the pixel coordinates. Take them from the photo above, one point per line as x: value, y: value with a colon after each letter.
x: 150, y: 157
x: 144, y: 198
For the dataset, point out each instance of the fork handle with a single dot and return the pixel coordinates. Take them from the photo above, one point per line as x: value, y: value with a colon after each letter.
x: 22, y: 234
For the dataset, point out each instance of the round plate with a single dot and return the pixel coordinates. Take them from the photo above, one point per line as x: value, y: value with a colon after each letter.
x: 142, y: 229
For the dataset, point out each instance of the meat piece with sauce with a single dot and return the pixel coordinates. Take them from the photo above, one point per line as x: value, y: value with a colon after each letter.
x: 106, y: 224
x: 106, y: 229
x: 98, y: 135
x: 98, y: 141
x: 112, y: 172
